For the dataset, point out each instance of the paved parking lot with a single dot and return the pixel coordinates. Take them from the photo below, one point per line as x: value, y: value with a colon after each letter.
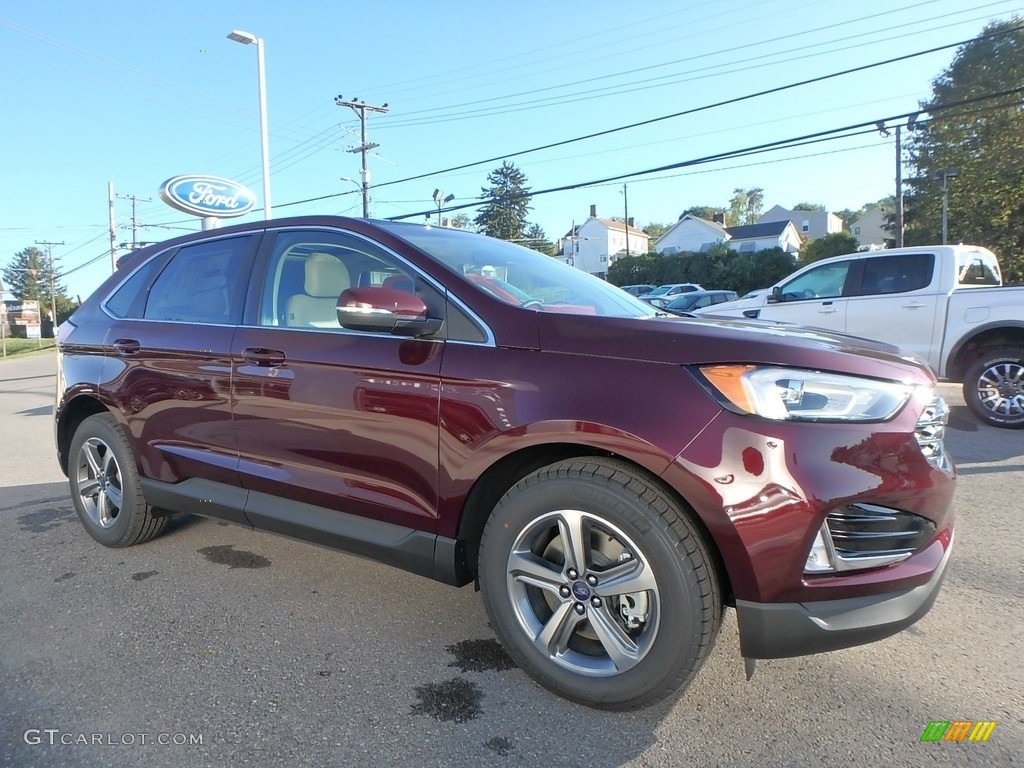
x: 217, y: 646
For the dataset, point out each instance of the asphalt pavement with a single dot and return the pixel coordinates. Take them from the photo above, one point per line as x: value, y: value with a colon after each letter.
x: 217, y: 646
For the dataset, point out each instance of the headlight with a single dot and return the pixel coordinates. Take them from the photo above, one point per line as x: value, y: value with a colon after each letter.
x: 798, y: 395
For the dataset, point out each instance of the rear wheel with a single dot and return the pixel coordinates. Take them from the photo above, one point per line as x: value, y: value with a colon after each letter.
x: 994, y: 388
x: 598, y: 585
x: 105, y: 486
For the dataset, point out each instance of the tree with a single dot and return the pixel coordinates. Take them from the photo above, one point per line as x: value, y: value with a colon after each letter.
x: 460, y: 221
x: 745, y: 206
x: 535, y: 238
x: 28, y: 278
x: 984, y: 142
x: 508, y: 202
x: 834, y: 244
x: 809, y: 207
x: 707, y: 212
x: 654, y: 231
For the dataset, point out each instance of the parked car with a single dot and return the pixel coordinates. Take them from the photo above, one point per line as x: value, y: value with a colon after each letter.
x: 479, y: 413
x: 638, y: 290
x: 663, y: 294
x: 944, y: 304
x: 694, y: 300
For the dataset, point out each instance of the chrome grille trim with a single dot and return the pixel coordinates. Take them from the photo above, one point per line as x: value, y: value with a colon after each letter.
x: 863, y: 535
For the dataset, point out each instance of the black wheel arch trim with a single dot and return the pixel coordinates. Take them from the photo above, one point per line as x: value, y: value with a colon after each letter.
x: 953, y: 362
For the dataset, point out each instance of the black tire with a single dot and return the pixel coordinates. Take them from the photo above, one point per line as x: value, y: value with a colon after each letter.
x: 627, y: 530
x: 994, y: 388
x: 105, y: 486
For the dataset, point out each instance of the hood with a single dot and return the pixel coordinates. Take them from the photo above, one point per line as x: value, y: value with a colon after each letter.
x: 702, y: 340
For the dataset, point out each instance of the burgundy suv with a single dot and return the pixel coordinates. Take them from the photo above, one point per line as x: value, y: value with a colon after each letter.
x: 474, y: 411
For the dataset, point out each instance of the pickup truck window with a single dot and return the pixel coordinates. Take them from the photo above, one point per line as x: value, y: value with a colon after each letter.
x: 896, y: 274
x: 976, y: 268
x: 824, y: 282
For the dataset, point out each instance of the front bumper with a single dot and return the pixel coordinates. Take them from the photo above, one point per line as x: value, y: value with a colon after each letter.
x: 779, y: 630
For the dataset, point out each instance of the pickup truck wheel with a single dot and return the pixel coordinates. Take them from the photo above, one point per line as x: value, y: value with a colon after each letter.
x: 598, y: 585
x: 105, y: 487
x: 994, y: 388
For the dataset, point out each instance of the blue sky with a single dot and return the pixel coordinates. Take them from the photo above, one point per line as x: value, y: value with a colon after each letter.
x: 135, y: 93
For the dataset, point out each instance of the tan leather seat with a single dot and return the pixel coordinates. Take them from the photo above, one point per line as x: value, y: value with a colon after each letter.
x: 326, y: 278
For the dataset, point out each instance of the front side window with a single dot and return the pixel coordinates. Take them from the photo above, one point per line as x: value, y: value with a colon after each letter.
x: 824, y: 282
x: 202, y: 283
x: 519, y: 276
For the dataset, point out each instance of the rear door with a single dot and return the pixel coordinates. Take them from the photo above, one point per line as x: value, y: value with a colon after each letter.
x: 168, y: 368
x: 331, y: 422
x: 895, y: 298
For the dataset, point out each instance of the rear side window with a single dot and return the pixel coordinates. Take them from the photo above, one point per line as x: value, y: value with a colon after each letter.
x: 977, y: 268
x: 896, y: 274
x: 203, y: 283
x: 129, y: 299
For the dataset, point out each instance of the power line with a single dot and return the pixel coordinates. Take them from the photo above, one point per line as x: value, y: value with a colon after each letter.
x: 828, y: 135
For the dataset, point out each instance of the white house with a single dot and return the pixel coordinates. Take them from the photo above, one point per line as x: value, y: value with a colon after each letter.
x: 810, y: 224
x: 595, y: 244
x: 870, y: 229
x: 692, y: 233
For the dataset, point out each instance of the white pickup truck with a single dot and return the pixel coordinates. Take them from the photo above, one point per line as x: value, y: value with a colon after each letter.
x: 944, y: 304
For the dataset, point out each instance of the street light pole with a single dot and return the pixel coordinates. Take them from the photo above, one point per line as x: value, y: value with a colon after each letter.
x: 625, y: 204
x: 247, y: 38
x: 440, y: 200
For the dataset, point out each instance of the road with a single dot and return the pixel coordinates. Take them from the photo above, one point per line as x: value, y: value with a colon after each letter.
x: 247, y: 649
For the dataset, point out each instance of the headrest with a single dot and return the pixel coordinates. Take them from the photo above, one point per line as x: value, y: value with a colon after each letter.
x: 326, y: 277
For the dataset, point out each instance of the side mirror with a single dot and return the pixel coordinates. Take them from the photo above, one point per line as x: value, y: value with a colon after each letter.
x: 384, y: 310
x: 776, y: 295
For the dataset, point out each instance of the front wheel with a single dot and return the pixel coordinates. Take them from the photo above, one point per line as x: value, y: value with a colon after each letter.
x: 994, y: 388
x: 598, y: 584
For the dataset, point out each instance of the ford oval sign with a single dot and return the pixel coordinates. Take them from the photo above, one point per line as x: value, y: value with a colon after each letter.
x: 207, y: 196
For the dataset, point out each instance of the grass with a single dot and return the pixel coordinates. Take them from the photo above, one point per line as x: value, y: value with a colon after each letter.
x: 25, y: 346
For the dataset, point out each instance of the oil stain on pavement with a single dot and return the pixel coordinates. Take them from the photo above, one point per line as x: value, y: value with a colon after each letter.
x: 226, y: 554
x: 453, y: 701
x: 480, y: 656
x: 44, y: 520
x: 143, y: 575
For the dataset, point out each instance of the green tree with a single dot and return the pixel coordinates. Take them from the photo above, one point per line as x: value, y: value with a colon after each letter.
x: 745, y: 206
x: 834, y: 244
x: 809, y: 207
x: 28, y: 278
x: 508, y: 201
x: 707, y: 212
x: 984, y: 142
x: 654, y: 231
x: 535, y: 238
x: 460, y: 221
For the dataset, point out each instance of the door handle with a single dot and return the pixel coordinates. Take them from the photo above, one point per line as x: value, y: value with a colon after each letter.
x: 826, y: 308
x: 264, y: 358
x: 126, y: 346
x: 914, y: 305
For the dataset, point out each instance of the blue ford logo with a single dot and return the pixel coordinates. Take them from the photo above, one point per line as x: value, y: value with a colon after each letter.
x: 580, y: 591
x: 207, y: 196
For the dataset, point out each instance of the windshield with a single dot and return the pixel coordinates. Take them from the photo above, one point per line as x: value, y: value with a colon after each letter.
x: 519, y: 276
x: 661, y: 290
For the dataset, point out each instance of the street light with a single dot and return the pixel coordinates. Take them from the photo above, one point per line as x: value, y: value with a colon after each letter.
x: 440, y: 199
x: 945, y: 174
x: 246, y: 38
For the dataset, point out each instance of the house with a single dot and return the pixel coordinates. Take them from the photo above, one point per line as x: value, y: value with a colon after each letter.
x: 695, y: 234
x: 810, y: 224
x: 870, y: 229
x: 595, y: 244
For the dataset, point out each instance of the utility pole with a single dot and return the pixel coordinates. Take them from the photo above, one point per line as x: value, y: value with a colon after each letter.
x: 113, y: 227
x: 135, y: 221
x: 625, y: 203
x: 361, y: 108
x: 899, y: 189
x: 53, y: 285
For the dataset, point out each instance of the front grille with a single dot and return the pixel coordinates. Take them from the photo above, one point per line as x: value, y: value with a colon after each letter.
x: 931, y: 430
x: 869, y: 536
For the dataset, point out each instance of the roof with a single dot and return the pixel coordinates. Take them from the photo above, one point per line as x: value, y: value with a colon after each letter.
x: 613, y: 224
x: 754, y: 231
